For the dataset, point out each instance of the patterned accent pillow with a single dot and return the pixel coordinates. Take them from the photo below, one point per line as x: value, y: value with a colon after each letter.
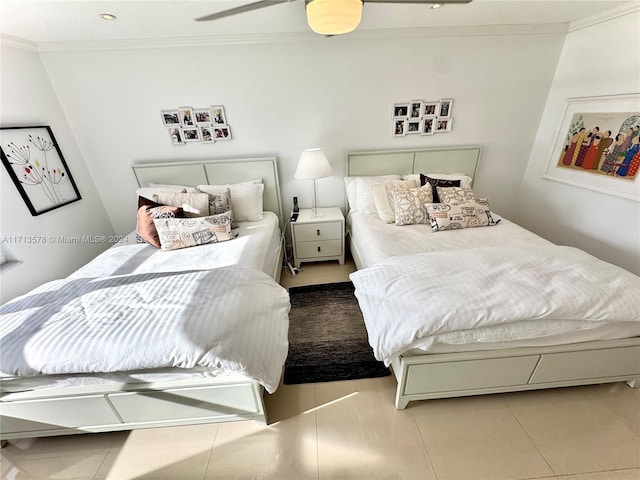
x: 145, y: 228
x: 193, y: 204
x: 447, y: 216
x: 438, y: 182
x: 383, y: 198
x: 220, y: 202
x: 178, y: 233
x: 455, y: 194
x: 409, y: 204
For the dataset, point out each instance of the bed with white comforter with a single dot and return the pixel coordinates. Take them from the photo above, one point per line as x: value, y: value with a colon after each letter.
x: 485, y: 309
x: 142, y: 336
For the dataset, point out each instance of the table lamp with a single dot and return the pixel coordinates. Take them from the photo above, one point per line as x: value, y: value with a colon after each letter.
x: 313, y: 164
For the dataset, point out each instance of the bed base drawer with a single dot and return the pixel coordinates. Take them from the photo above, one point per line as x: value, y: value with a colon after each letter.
x: 558, y: 367
x: 431, y: 376
x: 184, y: 403
x: 451, y: 376
x: 54, y: 414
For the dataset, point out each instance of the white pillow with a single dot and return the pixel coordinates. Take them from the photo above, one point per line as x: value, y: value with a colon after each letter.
x: 465, y: 180
x: 178, y: 233
x: 246, y: 199
x: 359, y: 194
x: 150, y: 192
x: 173, y: 188
x: 193, y: 204
x: 383, y: 198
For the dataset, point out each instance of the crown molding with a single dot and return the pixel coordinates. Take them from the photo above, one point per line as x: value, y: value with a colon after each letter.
x: 298, y: 37
x: 16, y: 42
x: 605, y: 16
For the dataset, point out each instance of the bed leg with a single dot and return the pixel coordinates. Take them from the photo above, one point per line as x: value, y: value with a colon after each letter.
x: 3, y: 443
x: 635, y: 383
x: 401, y: 402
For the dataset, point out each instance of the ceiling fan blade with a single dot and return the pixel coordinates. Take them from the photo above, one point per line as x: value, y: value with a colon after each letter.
x: 418, y: 1
x: 244, y: 8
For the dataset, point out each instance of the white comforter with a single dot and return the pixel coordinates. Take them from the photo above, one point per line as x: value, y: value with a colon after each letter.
x: 485, y: 294
x: 233, y: 318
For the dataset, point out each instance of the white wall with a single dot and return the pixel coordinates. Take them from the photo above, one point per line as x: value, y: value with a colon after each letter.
x: 280, y: 98
x: 27, y: 98
x: 603, y: 59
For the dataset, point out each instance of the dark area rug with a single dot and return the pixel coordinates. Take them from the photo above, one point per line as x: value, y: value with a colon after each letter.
x: 327, y: 336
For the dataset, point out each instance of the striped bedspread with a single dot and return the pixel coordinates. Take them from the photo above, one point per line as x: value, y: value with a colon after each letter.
x: 232, y: 318
x: 490, y: 294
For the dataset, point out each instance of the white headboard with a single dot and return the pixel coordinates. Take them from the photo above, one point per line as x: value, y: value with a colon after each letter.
x: 425, y: 160
x: 216, y: 172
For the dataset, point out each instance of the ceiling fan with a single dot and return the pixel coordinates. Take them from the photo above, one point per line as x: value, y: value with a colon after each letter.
x: 326, y: 17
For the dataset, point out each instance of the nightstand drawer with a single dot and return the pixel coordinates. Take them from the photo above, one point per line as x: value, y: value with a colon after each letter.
x: 318, y: 231
x: 324, y: 248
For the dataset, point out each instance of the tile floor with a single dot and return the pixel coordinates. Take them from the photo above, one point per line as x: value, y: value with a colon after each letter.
x: 351, y: 430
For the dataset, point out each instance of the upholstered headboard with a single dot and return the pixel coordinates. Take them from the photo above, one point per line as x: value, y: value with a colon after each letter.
x: 216, y: 172
x: 425, y: 160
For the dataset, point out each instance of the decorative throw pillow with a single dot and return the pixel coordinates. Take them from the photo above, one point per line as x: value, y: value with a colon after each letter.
x: 447, y: 216
x: 146, y: 229
x: 455, y: 194
x: 150, y: 192
x: 437, y: 182
x: 246, y: 199
x: 193, y: 204
x: 383, y: 198
x: 410, y: 203
x: 465, y: 180
x: 220, y: 203
x: 178, y: 233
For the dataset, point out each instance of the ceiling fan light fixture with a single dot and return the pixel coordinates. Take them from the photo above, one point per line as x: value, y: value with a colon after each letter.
x: 333, y: 17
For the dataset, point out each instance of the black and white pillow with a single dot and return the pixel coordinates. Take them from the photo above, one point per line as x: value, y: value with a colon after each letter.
x: 454, y: 216
x: 437, y: 182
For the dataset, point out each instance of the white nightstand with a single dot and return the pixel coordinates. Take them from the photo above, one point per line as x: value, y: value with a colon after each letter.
x: 316, y: 239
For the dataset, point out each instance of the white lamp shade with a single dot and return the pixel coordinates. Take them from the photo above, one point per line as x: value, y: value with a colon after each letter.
x: 313, y: 164
x: 333, y: 17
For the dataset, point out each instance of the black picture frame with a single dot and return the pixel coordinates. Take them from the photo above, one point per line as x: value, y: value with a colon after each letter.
x: 37, y: 167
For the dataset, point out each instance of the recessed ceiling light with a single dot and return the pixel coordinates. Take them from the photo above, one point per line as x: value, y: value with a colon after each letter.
x: 107, y: 16
x: 435, y: 5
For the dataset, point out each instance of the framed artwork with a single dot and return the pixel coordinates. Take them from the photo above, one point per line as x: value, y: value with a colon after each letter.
x: 443, y: 124
x: 445, y: 107
x: 413, y: 126
x: 423, y: 117
x: 399, y: 127
x: 430, y: 108
x: 206, y: 133
x: 221, y: 133
x: 176, y: 135
x: 170, y: 117
x: 35, y: 163
x: 191, y: 134
x: 415, y: 109
x: 186, y: 117
x: 202, y: 116
x: 426, y: 126
x: 400, y: 110
x: 598, y: 145
x: 188, y: 125
x: 219, y: 117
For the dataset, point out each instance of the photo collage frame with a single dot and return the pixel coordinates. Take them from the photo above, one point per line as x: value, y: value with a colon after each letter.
x: 422, y: 117
x: 187, y: 124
